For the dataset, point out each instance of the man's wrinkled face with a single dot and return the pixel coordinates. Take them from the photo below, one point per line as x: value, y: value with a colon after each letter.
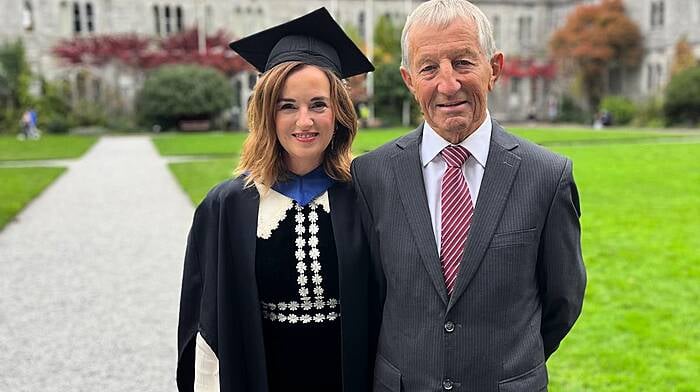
x: 450, y: 77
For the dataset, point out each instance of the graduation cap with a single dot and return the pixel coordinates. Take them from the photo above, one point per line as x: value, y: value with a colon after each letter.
x: 314, y: 38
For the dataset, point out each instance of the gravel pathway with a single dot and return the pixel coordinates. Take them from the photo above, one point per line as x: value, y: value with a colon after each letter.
x: 90, y: 276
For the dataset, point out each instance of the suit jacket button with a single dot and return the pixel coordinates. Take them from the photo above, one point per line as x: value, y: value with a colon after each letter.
x: 447, y: 384
x: 449, y: 326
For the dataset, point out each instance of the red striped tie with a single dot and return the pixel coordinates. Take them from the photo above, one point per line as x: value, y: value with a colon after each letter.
x: 456, y: 209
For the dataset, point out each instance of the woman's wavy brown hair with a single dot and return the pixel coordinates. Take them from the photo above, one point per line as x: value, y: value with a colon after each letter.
x: 262, y: 158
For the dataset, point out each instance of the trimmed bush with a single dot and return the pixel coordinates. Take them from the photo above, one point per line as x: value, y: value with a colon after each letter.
x: 682, y: 103
x: 650, y: 114
x: 622, y: 109
x: 570, y: 111
x: 173, y: 93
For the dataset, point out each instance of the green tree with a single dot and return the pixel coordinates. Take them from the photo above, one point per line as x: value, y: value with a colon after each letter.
x: 182, y: 92
x: 15, y: 77
x: 390, y: 93
x: 682, y: 103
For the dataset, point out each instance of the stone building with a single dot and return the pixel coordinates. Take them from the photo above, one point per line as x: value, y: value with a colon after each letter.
x: 521, y: 27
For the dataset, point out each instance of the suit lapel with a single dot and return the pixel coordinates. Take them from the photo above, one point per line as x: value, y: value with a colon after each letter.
x: 409, y: 178
x: 501, y: 168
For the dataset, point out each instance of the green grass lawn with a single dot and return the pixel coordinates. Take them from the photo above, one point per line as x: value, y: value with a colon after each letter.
x: 217, y: 143
x: 20, y: 186
x: 213, y: 143
x: 196, y: 178
x: 640, y: 328
x: 48, y: 147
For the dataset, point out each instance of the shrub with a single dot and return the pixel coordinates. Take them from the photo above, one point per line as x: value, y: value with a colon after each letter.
x: 682, y: 101
x: 570, y: 111
x: 622, y: 109
x: 53, y: 107
x: 58, y: 124
x: 182, y: 92
x: 88, y: 113
x: 650, y: 114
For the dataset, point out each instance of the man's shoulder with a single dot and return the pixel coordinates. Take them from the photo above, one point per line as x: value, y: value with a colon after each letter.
x: 528, y: 151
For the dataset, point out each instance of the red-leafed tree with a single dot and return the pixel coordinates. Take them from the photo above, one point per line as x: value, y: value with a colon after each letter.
x: 595, y: 39
x: 145, y: 53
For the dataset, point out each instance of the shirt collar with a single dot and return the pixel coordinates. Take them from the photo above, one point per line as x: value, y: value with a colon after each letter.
x: 477, y: 143
x: 304, y: 189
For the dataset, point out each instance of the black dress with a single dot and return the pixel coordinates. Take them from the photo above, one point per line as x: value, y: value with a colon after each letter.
x: 297, y: 277
x: 221, y: 299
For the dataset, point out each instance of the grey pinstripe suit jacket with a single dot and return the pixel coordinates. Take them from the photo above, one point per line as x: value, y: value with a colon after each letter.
x: 521, y: 282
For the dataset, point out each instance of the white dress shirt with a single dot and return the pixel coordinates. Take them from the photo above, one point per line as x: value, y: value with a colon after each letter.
x: 434, y: 166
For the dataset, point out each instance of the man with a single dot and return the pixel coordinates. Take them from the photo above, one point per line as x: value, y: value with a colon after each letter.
x: 474, y: 233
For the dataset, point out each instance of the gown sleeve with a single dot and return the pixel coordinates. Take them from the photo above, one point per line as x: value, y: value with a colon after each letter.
x: 198, y: 365
x: 206, y: 367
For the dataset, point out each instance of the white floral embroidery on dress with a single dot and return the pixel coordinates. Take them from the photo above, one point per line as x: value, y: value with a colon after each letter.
x: 305, y: 302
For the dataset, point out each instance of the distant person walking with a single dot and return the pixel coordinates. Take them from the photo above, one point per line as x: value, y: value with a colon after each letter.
x: 28, y: 126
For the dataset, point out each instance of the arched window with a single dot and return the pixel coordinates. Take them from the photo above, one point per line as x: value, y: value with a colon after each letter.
x: 77, y: 25
x: 89, y: 18
x: 156, y: 19
x: 168, y: 28
x: 28, y: 16
x: 179, y: 20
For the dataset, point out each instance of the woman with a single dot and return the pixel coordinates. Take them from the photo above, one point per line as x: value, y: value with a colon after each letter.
x: 274, y: 293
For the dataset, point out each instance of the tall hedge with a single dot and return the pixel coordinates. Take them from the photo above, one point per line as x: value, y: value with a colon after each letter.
x: 682, y: 103
x: 182, y: 92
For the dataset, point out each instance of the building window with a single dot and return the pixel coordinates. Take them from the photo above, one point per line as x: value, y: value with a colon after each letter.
x: 89, y: 18
x: 179, y: 23
x: 496, y: 24
x: 77, y: 25
x: 156, y: 19
x: 28, y: 16
x: 361, y: 24
x: 525, y: 29
x: 515, y: 85
x: 654, y: 77
x: 88, y: 13
x: 657, y: 13
x: 81, y: 86
x: 167, y: 20
x: 96, y: 90
x: 209, y: 19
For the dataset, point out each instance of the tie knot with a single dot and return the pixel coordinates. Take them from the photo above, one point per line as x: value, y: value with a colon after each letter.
x: 455, y: 155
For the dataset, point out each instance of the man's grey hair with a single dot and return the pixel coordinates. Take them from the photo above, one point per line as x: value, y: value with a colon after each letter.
x: 439, y: 14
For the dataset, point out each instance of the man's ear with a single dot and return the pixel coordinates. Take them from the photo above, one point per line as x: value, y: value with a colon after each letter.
x: 496, y: 68
x: 407, y: 79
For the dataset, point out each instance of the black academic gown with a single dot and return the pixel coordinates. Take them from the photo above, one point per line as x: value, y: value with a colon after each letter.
x: 220, y: 298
